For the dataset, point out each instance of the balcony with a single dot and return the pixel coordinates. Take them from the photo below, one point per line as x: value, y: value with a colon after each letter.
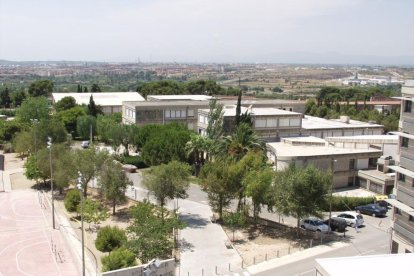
x: 404, y: 230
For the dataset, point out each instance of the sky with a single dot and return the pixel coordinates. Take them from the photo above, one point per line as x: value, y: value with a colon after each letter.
x: 273, y: 31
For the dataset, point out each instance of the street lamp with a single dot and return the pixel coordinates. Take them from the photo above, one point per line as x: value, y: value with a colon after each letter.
x: 79, y: 186
x: 332, y: 184
x: 49, y: 146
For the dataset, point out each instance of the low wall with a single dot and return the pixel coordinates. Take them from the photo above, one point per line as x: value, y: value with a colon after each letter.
x: 153, y: 268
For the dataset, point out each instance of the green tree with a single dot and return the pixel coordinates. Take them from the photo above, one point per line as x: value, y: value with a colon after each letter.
x: 65, y: 103
x: 258, y: 188
x: 72, y: 200
x: 86, y: 126
x: 110, y: 238
x: 96, y: 88
x: 5, y: 100
x: 23, y: 143
x: 52, y: 128
x: 119, y: 258
x: 41, y: 88
x: 18, y: 97
x: 234, y: 220
x: 31, y: 169
x: 219, y: 180
x: 70, y: 117
x: 149, y: 236
x: 93, y: 109
x: 104, y: 127
x: 113, y: 182
x: 240, y: 142
x: 215, y: 120
x: 168, y: 181
x: 277, y: 89
x: 88, y: 162
x: 33, y: 108
x: 238, y: 109
x: 301, y: 192
x: 121, y: 134
x: 93, y: 212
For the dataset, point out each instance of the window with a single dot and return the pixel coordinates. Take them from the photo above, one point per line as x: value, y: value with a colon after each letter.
x: 411, y: 218
x: 271, y: 122
x: 372, y: 162
x: 408, y: 106
x: 260, y: 123
x: 283, y: 122
x: 404, y: 142
x: 190, y: 113
x: 397, y: 211
x: 294, y: 122
x: 401, y: 177
x: 352, y: 164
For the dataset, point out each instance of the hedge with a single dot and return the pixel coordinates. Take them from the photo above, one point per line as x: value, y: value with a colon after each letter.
x: 342, y: 203
x: 134, y: 160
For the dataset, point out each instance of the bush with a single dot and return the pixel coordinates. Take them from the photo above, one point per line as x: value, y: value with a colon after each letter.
x: 119, y: 258
x: 341, y: 203
x: 110, y: 238
x: 134, y: 160
x: 72, y: 200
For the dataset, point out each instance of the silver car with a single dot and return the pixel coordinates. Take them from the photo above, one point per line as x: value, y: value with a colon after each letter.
x: 352, y: 218
x: 314, y: 224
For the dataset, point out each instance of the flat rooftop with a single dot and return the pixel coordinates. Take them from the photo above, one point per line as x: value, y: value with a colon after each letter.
x: 101, y: 98
x: 380, y: 139
x: 311, y: 122
x: 178, y: 97
x: 167, y: 104
x: 286, y: 149
x: 378, y: 265
x: 230, y: 111
x: 376, y: 174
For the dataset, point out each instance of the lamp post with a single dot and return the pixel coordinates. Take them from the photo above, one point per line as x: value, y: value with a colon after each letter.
x: 49, y: 146
x: 332, y: 184
x: 79, y: 186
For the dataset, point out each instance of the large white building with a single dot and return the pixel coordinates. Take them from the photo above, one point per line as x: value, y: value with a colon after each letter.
x: 110, y: 102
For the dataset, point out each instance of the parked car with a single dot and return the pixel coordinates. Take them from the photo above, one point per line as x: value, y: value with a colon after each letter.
x: 372, y: 210
x: 314, y: 224
x: 85, y: 144
x: 351, y: 218
x: 337, y: 224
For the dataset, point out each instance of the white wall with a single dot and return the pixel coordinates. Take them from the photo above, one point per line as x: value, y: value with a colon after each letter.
x: 362, y: 163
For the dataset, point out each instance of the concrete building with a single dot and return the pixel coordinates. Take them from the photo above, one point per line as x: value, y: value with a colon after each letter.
x: 303, y: 151
x: 110, y: 102
x: 381, y: 179
x: 269, y: 123
x: 319, y: 127
x: 403, y: 205
x: 184, y: 108
x: 378, y: 265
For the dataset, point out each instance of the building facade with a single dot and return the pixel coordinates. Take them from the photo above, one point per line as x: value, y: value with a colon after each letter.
x: 303, y: 151
x: 403, y: 205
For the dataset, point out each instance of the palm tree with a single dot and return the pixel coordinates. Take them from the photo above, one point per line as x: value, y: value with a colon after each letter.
x: 243, y: 140
x: 200, y: 148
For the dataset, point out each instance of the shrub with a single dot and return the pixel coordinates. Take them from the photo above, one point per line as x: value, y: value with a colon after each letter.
x: 341, y: 203
x: 72, y: 200
x: 110, y: 238
x: 119, y: 258
x: 134, y: 160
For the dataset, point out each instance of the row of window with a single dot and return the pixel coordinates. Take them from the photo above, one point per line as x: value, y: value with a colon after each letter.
x: 283, y: 122
x: 179, y: 113
x: 130, y: 113
x: 408, y: 106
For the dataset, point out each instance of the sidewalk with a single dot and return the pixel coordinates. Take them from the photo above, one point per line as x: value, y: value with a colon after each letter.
x: 203, y: 243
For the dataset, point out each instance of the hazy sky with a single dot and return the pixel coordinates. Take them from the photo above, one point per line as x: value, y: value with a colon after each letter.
x: 208, y: 30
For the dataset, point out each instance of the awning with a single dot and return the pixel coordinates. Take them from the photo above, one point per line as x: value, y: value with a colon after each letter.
x: 403, y: 134
x: 402, y: 170
x: 400, y: 205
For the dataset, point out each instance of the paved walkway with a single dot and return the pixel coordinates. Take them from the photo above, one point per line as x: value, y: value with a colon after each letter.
x: 203, y: 243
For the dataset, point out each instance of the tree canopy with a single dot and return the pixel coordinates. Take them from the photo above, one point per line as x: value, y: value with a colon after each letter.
x: 41, y: 88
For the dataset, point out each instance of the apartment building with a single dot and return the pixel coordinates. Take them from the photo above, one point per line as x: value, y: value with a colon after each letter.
x: 403, y: 205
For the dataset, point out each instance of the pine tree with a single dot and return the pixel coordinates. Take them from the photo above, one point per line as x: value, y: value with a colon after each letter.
x: 85, y: 89
x: 92, y: 109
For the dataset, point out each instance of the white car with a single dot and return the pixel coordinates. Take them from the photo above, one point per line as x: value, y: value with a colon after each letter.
x: 352, y: 218
x: 314, y: 224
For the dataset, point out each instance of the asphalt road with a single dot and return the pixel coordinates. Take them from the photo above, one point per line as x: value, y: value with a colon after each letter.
x: 372, y: 239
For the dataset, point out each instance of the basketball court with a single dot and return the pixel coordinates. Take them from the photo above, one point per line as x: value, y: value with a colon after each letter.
x: 28, y: 244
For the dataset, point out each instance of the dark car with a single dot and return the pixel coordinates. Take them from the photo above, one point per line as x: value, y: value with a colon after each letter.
x: 337, y: 224
x: 374, y: 210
